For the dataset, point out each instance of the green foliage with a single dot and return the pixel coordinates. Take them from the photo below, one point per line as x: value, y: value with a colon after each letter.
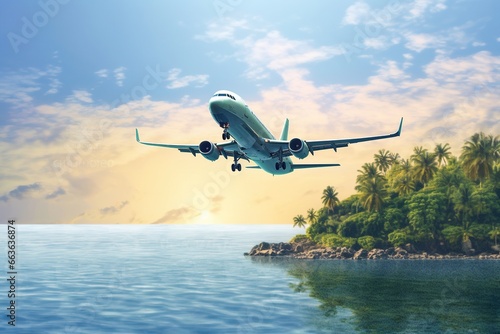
x: 399, y: 238
x: 351, y: 205
x: 433, y: 200
x: 329, y: 198
x: 299, y: 238
x: 351, y: 227
x: 367, y: 242
x: 334, y: 240
x: 494, y: 234
x: 299, y: 221
x: 394, y: 219
x: 426, y: 215
x: 479, y: 155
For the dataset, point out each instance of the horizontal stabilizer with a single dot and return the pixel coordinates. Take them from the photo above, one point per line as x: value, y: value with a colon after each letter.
x: 302, y: 166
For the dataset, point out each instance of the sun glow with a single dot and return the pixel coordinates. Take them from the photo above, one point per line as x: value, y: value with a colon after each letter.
x: 204, y: 218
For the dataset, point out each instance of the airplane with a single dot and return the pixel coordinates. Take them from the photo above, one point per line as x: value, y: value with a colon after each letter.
x: 253, y: 141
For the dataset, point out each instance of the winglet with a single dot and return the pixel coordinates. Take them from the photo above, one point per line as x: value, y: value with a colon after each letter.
x: 284, y: 132
x: 137, y: 135
x: 398, y: 133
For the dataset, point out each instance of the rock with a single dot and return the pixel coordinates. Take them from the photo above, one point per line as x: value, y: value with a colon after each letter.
x: 401, y: 251
x: 285, y: 246
x: 264, y: 246
x: 254, y: 250
x: 361, y: 254
x: 299, y: 249
x: 390, y: 251
x: 410, y: 248
x: 345, y: 253
x: 376, y: 254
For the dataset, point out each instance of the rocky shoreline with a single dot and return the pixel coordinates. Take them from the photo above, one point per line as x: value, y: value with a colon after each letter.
x: 310, y: 250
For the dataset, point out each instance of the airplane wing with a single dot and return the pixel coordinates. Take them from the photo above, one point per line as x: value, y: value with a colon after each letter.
x: 317, y: 145
x: 225, y: 149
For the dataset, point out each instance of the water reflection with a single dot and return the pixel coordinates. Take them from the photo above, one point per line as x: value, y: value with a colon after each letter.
x: 401, y: 296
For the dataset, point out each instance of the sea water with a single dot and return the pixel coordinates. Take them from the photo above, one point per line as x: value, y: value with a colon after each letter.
x: 195, y: 279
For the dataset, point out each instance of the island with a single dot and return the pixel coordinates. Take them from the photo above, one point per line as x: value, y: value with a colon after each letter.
x: 432, y: 205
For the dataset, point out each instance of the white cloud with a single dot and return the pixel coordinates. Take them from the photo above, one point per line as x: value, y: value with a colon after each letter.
x: 356, y: 13
x: 265, y: 51
x: 455, y: 37
x: 420, y: 42
x: 175, y: 81
x: 478, y: 69
x: 378, y: 43
x: 119, y: 75
x: 102, y: 73
x: 82, y: 95
x: 17, y: 89
x: 223, y: 32
x: 54, y: 85
x: 419, y: 7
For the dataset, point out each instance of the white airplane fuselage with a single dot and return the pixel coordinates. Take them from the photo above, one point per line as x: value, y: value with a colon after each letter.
x: 228, y: 109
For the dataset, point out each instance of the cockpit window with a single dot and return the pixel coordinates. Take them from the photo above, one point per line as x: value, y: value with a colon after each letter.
x: 223, y: 94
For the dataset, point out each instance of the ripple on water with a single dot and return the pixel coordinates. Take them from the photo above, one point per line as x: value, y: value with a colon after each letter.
x: 185, y: 279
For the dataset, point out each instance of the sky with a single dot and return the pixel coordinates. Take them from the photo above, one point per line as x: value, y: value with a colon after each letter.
x: 77, y: 77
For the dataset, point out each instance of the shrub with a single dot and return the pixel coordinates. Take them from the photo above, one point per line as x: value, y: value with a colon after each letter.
x: 299, y: 238
x: 398, y: 238
x: 367, y: 242
x: 335, y: 240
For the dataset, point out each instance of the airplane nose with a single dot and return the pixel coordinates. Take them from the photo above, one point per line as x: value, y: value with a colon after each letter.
x: 213, y: 104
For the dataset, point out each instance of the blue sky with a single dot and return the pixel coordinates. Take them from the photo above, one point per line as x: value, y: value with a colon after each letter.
x: 76, y: 77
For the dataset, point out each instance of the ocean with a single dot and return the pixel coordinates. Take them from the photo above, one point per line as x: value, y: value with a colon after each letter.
x: 195, y: 279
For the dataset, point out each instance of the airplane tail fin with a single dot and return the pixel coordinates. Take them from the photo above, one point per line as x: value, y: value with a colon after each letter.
x: 284, y: 132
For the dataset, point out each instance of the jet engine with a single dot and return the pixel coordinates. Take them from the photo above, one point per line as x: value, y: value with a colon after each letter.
x: 299, y: 148
x: 208, y: 150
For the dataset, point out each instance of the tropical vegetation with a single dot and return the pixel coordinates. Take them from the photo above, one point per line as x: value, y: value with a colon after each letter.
x: 432, y: 200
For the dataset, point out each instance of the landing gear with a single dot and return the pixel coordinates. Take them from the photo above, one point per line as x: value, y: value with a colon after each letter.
x: 225, y: 134
x: 236, y: 166
x: 280, y: 164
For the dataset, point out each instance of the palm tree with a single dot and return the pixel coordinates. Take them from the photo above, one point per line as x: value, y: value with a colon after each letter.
x: 424, y: 166
x: 400, y: 178
x: 442, y: 153
x: 299, y: 221
x: 330, y: 199
x: 404, y: 185
x: 373, y: 193
x: 368, y: 171
x: 383, y: 160
x: 494, y: 233
x: 464, y: 202
x: 394, y: 158
x: 462, y: 234
x: 479, y: 155
x: 418, y: 150
x: 311, y: 216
